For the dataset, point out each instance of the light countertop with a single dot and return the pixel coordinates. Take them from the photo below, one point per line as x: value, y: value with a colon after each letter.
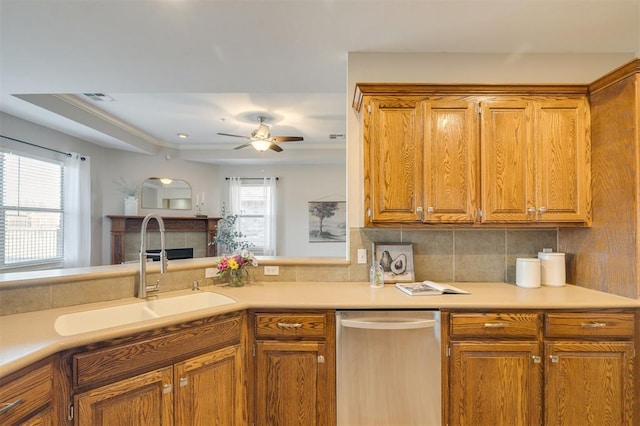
x: 29, y: 337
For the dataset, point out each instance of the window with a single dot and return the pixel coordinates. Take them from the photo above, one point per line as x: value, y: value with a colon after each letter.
x: 31, y: 213
x: 253, y: 200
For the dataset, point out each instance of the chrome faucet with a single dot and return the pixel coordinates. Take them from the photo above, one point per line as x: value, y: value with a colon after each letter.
x: 143, y: 288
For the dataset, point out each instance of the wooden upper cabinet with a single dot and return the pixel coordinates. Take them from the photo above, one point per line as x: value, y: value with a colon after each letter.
x: 535, y: 161
x: 420, y: 160
x: 450, y: 161
x: 393, y: 159
x: 563, y: 158
x: 475, y: 154
x: 508, y: 189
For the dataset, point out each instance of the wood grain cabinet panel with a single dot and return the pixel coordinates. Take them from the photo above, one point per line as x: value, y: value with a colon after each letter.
x: 393, y: 160
x: 294, y: 368
x: 475, y: 155
x: 536, y: 161
x: 190, y: 374
x: 589, y: 383
x: 573, y: 368
x: 28, y: 399
x: 496, y: 384
x: 146, y: 399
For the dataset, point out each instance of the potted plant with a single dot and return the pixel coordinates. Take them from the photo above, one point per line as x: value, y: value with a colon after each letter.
x: 130, y: 193
x: 229, y: 239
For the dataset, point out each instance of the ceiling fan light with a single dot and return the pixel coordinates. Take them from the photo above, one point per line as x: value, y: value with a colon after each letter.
x: 261, y: 145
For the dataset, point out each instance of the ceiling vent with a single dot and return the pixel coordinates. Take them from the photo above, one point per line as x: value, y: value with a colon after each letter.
x: 99, y: 97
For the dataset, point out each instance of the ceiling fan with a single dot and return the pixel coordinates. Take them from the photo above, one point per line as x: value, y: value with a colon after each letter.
x: 261, y: 138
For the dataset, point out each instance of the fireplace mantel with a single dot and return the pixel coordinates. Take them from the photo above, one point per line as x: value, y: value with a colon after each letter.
x: 123, y: 224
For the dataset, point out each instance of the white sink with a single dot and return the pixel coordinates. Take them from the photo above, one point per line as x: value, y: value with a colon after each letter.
x: 188, y: 303
x: 98, y: 319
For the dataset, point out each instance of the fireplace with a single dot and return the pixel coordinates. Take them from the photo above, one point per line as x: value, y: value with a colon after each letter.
x: 192, y: 232
x: 172, y: 253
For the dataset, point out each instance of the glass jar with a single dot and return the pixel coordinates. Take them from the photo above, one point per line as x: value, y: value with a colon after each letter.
x: 238, y: 277
x: 376, y: 275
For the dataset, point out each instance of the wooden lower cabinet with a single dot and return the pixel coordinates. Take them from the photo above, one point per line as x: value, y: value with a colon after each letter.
x: 146, y: 399
x: 580, y: 369
x: 496, y: 383
x: 589, y: 383
x: 204, y: 390
x: 294, y: 368
x: 26, y: 397
x: 187, y: 374
x: 210, y: 389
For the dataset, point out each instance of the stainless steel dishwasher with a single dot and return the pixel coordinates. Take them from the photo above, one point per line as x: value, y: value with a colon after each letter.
x: 388, y: 368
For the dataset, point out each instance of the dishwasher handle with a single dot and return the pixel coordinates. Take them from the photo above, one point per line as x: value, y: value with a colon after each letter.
x: 373, y: 323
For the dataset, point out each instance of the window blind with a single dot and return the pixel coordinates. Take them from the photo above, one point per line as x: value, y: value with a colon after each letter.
x: 31, y: 213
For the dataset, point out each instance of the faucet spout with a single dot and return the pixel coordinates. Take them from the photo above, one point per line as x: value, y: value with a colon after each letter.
x: 142, y: 285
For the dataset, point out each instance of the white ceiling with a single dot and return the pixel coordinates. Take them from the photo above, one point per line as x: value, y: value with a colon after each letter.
x: 207, y: 66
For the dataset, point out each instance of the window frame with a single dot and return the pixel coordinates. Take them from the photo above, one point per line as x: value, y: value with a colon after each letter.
x: 42, y: 262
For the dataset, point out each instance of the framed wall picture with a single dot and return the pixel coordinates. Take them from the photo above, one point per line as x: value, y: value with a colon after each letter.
x: 327, y: 221
x: 396, y: 260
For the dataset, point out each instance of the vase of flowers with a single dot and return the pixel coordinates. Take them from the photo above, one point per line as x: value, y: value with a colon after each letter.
x: 235, y: 267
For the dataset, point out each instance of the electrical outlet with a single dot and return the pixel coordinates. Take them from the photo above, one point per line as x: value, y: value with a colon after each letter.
x: 272, y: 270
x: 362, y: 255
x: 210, y: 272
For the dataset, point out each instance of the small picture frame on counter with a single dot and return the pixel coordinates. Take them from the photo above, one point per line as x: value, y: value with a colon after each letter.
x: 396, y: 260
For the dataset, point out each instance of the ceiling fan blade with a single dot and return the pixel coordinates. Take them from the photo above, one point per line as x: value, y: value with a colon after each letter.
x: 287, y: 138
x: 243, y: 146
x: 275, y: 147
x: 235, y: 136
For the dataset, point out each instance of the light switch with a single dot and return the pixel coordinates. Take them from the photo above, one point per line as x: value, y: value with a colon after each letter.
x: 362, y: 255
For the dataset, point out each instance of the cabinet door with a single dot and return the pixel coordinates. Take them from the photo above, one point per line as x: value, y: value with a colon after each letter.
x: 589, y: 383
x: 292, y: 384
x: 450, y: 161
x: 393, y: 160
x: 496, y: 383
x: 210, y: 389
x: 146, y: 399
x: 507, y: 162
x: 43, y: 418
x: 563, y: 169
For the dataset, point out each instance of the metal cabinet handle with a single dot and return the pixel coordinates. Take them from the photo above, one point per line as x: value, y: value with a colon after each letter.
x: 496, y: 324
x: 536, y: 359
x: 9, y: 405
x: 289, y: 325
x: 542, y: 209
x: 593, y: 324
x: 184, y: 381
x: 531, y: 210
x: 554, y: 358
x: 429, y: 210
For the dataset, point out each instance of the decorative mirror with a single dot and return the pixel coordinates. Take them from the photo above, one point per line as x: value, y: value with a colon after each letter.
x: 166, y: 193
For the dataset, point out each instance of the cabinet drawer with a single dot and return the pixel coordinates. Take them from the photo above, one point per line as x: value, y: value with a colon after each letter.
x: 495, y: 325
x: 614, y: 325
x: 293, y: 325
x: 26, y: 394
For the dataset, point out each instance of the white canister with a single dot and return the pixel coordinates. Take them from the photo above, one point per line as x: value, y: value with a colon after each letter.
x: 552, y: 269
x: 528, y: 272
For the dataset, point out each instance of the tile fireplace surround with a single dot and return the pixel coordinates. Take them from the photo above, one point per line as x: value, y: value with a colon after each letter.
x: 190, y: 232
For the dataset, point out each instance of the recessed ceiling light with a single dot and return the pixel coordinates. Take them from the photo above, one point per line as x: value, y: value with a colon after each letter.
x: 183, y: 135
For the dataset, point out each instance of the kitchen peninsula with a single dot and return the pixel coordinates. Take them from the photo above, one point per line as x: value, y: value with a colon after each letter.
x: 543, y: 319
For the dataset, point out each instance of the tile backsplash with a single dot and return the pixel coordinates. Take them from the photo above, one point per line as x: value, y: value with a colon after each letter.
x: 459, y: 254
